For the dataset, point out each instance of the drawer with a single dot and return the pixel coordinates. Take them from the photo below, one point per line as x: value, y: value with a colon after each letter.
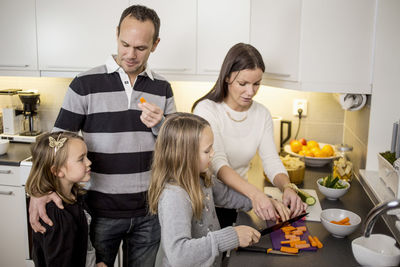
x: 9, y: 175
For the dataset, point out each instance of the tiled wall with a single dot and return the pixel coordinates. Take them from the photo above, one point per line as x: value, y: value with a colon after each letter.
x: 323, y: 123
x: 356, y: 125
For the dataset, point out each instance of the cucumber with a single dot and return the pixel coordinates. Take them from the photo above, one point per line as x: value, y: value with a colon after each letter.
x: 332, y: 183
x: 306, y: 197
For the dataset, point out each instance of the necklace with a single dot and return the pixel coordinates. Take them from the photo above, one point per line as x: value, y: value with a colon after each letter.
x: 230, y: 117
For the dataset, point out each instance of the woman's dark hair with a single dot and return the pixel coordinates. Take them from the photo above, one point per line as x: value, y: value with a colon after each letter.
x: 142, y: 13
x: 240, y: 57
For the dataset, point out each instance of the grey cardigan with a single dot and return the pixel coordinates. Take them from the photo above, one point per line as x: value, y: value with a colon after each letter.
x: 187, y: 241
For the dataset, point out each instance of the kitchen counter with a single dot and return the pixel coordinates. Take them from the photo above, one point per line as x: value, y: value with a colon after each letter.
x: 336, y: 251
x: 16, y: 153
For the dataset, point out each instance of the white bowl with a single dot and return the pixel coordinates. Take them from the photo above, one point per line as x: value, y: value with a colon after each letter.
x: 333, y: 193
x: 337, y: 230
x: 4, y: 146
x: 313, y: 161
x: 376, y: 250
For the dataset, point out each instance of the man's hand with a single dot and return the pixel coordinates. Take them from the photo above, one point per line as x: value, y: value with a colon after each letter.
x: 37, y: 209
x: 151, y: 114
x: 292, y: 199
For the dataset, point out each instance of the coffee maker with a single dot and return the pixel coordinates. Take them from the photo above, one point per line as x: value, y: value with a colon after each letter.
x: 22, y: 124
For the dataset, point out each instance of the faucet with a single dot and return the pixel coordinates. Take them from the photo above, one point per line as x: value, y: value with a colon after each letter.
x: 376, y: 211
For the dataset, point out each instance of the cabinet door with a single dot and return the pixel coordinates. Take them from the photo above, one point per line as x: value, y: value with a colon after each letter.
x: 275, y: 32
x: 337, y: 43
x: 176, y: 52
x: 221, y: 24
x: 18, y: 35
x: 76, y: 35
x: 13, y: 226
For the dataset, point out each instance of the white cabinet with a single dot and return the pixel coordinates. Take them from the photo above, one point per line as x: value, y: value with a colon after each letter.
x: 176, y: 52
x: 13, y: 226
x: 76, y: 35
x: 18, y: 35
x: 337, y: 45
x: 221, y: 24
x: 275, y: 32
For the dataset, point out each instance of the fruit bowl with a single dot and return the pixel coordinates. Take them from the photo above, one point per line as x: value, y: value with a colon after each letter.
x: 313, y: 161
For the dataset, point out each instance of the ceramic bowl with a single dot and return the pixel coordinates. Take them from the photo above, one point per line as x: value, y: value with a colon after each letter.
x: 376, y: 250
x: 313, y: 161
x: 4, y: 146
x: 337, y: 230
x: 333, y: 193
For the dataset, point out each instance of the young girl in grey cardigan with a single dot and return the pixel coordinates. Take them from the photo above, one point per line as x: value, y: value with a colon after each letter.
x: 183, y: 194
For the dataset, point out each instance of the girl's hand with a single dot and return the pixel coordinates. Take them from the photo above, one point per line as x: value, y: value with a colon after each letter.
x: 101, y: 264
x: 37, y: 209
x: 292, y: 199
x: 151, y: 114
x: 247, y: 235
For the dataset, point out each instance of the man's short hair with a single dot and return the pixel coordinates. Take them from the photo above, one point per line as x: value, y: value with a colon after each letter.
x: 142, y: 13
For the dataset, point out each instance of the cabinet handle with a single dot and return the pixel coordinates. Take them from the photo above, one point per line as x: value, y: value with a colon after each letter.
x: 278, y: 74
x: 13, y: 66
x: 8, y: 193
x: 5, y: 171
x: 171, y: 69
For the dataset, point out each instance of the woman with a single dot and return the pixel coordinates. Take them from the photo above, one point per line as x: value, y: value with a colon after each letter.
x: 242, y: 127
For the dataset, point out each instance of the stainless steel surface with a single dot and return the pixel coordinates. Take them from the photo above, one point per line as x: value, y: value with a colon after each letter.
x: 376, y: 212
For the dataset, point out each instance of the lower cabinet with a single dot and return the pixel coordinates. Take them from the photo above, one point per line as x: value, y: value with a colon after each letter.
x: 14, y: 248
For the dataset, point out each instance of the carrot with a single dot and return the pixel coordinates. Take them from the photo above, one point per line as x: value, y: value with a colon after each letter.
x: 312, y: 241
x: 294, y: 243
x: 289, y: 236
x: 340, y: 222
x: 297, y: 233
x: 302, y: 246
x: 288, y: 228
x: 142, y: 100
x: 285, y: 242
x: 302, y: 228
x: 319, y: 244
x: 345, y: 220
x: 290, y: 250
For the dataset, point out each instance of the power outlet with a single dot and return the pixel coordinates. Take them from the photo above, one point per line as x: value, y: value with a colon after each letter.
x: 300, y: 104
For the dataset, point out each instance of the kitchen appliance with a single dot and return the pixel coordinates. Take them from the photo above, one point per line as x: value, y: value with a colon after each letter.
x: 22, y: 124
x: 279, y: 128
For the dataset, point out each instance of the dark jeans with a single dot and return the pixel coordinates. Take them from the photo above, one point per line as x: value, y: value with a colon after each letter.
x: 140, y: 236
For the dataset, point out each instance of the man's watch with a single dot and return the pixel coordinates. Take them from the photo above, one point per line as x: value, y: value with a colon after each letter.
x: 292, y: 186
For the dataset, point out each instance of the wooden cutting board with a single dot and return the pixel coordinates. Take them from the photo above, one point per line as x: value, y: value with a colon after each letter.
x: 314, y: 212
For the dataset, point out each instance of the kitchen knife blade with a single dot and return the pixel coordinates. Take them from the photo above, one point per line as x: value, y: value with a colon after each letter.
x: 280, y: 225
x: 264, y: 250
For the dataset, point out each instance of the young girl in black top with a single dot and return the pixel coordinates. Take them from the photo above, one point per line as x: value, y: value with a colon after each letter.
x: 60, y: 163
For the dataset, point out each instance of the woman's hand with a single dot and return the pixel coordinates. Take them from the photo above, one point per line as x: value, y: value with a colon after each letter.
x: 269, y: 209
x: 37, y: 209
x: 247, y: 235
x: 292, y: 199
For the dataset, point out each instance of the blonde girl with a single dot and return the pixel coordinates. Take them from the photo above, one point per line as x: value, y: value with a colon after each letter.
x: 184, y: 195
x: 59, y: 164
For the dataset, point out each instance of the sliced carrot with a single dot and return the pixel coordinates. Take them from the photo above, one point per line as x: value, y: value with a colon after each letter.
x: 288, y: 228
x: 312, y: 241
x: 301, y: 228
x: 289, y: 236
x: 345, y: 220
x: 290, y: 250
x: 319, y: 244
x: 302, y: 246
x: 285, y: 242
x: 142, y: 100
x: 294, y: 243
x: 297, y: 233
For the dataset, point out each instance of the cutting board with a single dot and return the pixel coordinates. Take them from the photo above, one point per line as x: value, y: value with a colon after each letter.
x: 314, y: 211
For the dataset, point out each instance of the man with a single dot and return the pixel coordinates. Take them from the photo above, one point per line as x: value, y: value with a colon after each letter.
x: 103, y: 103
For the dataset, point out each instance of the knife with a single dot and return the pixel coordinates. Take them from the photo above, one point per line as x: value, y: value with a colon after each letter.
x: 264, y: 250
x: 280, y: 225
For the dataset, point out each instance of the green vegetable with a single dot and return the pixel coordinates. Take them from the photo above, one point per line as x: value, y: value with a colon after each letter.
x: 330, y: 182
x: 306, y: 197
x: 389, y: 156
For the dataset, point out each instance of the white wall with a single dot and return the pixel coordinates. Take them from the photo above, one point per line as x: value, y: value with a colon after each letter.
x: 385, y: 102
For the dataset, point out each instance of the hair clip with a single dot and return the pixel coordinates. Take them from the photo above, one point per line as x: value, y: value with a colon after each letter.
x: 57, y: 144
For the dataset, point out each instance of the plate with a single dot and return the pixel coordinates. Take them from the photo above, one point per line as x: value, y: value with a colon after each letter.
x: 312, y: 161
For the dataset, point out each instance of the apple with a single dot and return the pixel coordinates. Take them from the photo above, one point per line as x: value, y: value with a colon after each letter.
x: 303, y: 141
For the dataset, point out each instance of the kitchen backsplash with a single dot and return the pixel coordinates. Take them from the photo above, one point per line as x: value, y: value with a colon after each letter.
x: 324, y: 122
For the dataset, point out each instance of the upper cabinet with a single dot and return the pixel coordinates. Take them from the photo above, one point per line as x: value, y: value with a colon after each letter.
x: 275, y: 32
x: 76, y: 35
x: 18, y: 35
x: 176, y: 52
x: 337, y: 45
x: 221, y: 24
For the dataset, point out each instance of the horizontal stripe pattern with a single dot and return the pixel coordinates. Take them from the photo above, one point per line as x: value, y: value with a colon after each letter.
x: 119, y: 183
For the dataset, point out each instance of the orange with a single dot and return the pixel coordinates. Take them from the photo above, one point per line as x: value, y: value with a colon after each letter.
x: 312, y: 144
x: 315, y: 150
x: 295, y: 146
x: 328, y: 150
x: 308, y: 153
x: 302, y: 153
x: 319, y: 154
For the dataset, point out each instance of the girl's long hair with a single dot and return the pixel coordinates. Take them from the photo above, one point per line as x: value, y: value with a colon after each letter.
x: 176, y: 160
x: 46, y: 163
x: 240, y: 57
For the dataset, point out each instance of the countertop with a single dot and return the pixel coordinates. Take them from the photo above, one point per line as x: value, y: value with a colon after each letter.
x: 16, y: 153
x: 336, y: 251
